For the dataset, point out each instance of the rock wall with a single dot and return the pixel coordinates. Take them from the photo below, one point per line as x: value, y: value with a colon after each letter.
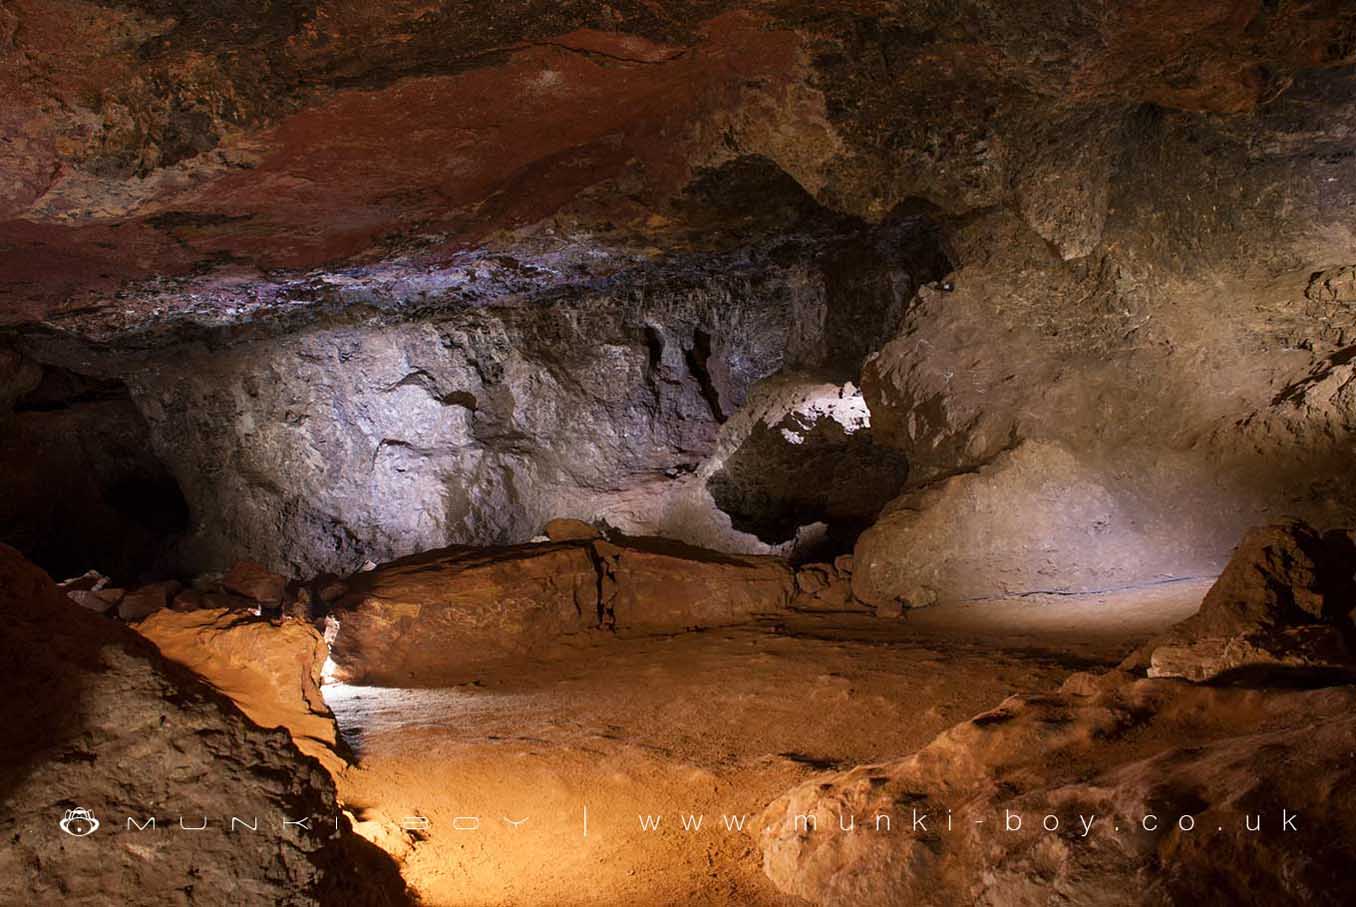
x: 1120, y: 235
x: 369, y: 434
x: 1184, y: 379
x: 443, y: 616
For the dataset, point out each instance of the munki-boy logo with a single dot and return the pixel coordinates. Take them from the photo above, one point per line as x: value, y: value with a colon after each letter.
x: 79, y: 822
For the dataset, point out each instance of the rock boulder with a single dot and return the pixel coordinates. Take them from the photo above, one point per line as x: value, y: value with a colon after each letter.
x: 111, y: 727
x: 271, y: 670
x: 656, y: 584
x: 1165, y: 775
x: 437, y: 616
x: 444, y: 615
x: 1284, y: 601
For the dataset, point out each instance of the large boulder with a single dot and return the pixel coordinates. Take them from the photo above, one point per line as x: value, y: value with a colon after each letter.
x: 1284, y: 601
x: 254, y: 582
x: 657, y: 584
x: 443, y: 616
x: 271, y: 670
x: 1112, y: 791
x: 105, y: 724
x: 139, y: 603
x: 439, y: 616
x: 1036, y: 519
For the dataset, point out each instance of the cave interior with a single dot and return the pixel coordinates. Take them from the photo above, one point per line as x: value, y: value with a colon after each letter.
x: 650, y: 452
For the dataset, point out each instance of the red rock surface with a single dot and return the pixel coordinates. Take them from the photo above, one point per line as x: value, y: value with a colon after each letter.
x: 446, y: 615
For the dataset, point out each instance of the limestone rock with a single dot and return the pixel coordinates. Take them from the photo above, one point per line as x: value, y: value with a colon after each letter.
x: 271, y: 670
x: 437, y: 617
x: 1036, y: 519
x: 89, y: 581
x: 328, y: 588
x: 100, y: 602
x: 113, y: 728
x: 146, y: 600
x: 442, y: 616
x: 824, y: 587
x: 252, y: 581
x: 195, y: 599
x: 1115, y: 750
x: 656, y: 584
x: 1314, y: 649
x: 1283, y: 602
x: 566, y: 530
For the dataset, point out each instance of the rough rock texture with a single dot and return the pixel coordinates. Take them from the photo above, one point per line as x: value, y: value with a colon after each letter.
x: 607, y: 231
x: 826, y: 587
x: 251, y: 581
x: 1285, y: 601
x: 437, y: 616
x: 112, y: 727
x: 1115, y: 749
x: 441, y: 616
x: 1034, y: 519
x: 372, y: 438
x: 1193, y: 367
x: 271, y: 670
x: 564, y: 529
x: 146, y: 600
x: 656, y: 584
x: 818, y: 463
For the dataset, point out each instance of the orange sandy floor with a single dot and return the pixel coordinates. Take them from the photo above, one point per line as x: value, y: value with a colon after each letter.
x: 712, y: 724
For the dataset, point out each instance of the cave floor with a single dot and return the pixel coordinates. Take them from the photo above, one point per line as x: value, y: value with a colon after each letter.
x: 585, y: 740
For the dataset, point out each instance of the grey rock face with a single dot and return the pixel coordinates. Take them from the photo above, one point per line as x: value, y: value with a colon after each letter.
x: 475, y: 424
x: 318, y: 450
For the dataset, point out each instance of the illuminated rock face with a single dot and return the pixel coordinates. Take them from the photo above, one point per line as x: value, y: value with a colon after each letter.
x: 383, y: 281
x: 271, y: 670
x: 443, y: 616
x: 1134, y: 817
x: 99, y: 707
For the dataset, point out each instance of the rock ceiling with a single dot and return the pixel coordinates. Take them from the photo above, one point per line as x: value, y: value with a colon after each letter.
x: 162, y: 155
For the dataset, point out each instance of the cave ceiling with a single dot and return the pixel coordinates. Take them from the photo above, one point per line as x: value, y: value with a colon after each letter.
x: 217, y: 160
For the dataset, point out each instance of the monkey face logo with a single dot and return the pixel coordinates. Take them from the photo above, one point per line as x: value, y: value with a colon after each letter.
x: 79, y: 822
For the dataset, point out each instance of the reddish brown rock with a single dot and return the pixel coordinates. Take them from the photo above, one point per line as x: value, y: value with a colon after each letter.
x: 252, y: 581
x: 270, y: 670
x: 442, y: 616
x: 439, y: 616
x: 138, y: 603
x: 1117, y: 751
x: 566, y: 530
x: 195, y: 599
x: 328, y: 588
x: 101, y: 602
x: 1283, y: 602
x: 655, y: 584
x: 826, y: 587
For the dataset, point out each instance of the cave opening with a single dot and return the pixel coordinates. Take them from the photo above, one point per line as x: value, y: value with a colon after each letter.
x: 85, y: 488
